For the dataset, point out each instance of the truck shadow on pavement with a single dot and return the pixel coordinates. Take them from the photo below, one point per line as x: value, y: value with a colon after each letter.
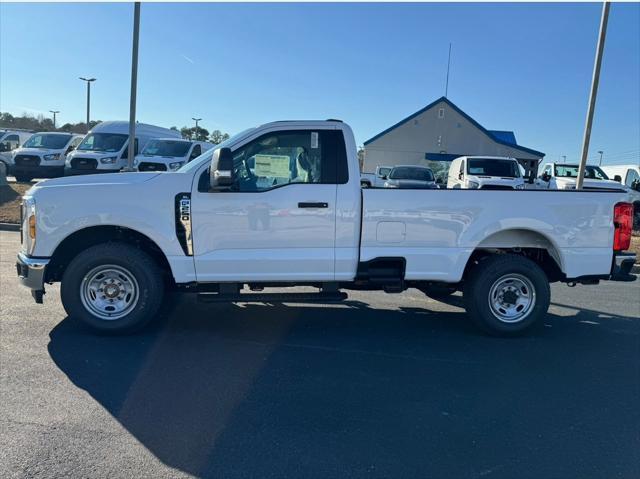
x: 346, y: 390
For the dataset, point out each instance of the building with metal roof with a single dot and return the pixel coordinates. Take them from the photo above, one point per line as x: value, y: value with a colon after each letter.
x: 440, y: 132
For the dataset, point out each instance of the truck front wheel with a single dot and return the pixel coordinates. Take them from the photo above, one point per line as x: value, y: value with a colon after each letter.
x: 113, y: 288
x: 506, y: 294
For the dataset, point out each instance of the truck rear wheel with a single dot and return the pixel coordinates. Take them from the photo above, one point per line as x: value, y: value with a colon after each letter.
x: 113, y: 288
x: 506, y: 294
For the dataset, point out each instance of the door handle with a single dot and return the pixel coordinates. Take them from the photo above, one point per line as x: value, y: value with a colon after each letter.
x: 313, y: 205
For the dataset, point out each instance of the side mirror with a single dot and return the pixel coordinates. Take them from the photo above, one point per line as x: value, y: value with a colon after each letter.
x: 461, y: 176
x: 221, y: 173
x: 635, y: 185
x: 617, y: 178
x: 439, y: 181
x: 383, y: 177
x: 546, y: 177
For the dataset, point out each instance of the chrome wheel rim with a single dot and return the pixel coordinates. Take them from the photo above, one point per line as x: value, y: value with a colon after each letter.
x: 512, y: 298
x: 109, y: 292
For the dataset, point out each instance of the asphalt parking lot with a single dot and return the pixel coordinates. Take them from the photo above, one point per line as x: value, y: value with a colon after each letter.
x: 380, y: 386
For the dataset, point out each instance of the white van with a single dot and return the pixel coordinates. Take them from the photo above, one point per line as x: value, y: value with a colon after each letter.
x: 105, y: 148
x: 9, y: 141
x: 169, y: 154
x: 485, y: 173
x: 43, y: 155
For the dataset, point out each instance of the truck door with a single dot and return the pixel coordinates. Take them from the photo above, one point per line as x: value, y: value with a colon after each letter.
x: 277, y: 222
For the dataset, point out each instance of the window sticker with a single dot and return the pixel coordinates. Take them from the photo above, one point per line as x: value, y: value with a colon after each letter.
x: 277, y: 166
x: 314, y: 139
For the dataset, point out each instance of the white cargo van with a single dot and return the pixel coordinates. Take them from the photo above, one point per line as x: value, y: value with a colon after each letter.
x: 43, y: 155
x: 105, y: 148
x: 169, y: 154
x: 485, y: 173
x: 9, y: 141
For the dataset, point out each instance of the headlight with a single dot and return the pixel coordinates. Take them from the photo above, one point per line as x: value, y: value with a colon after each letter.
x: 389, y: 185
x: 109, y: 160
x: 135, y: 162
x: 52, y: 157
x: 473, y: 185
x: 520, y: 187
x: 28, y: 224
x: 569, y: 187
x: 176, y: 165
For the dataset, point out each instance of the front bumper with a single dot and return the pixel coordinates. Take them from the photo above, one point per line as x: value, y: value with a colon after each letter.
x: 40, y: 171
x: 68, y: 171
x: 31, y: 274
x: 622, y: 265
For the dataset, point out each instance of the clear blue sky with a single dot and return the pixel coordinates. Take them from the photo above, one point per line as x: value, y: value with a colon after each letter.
x: 521, y: 67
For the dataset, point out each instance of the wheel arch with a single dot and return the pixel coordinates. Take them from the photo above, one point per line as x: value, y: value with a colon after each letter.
x: 534, y: 245
x: 81, y: 239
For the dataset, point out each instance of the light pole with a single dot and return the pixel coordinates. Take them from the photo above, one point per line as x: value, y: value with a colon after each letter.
x: 601, y: 153
x: 54, y: 117
x: 595, y: 80
x: 88, y: 80
x: 196, y: 120
x: 134, y: 87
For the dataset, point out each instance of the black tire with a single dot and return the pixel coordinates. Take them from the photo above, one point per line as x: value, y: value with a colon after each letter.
x: 437, y: 291
x: 137, y: 263
x: 493, y: 271
x: 22, y: 178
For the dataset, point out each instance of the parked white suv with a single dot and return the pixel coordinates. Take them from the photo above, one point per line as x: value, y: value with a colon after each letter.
x: 169, y: 154
x: 43, y: 155
x: 485, y: 173
x: 281, y: 205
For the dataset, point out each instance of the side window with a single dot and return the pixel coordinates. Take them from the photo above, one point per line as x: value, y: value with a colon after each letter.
x: 125, y: 153
x: 632, y: 176
x: 11, y: 142
x: 547, y: 170
x: 287, y: 157
x: 196, y: 152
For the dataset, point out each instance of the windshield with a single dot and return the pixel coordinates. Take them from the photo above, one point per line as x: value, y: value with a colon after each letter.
x: 408, y: 173
x: 103, y: 142
x: 52, y: 142
x: 571, y: 171
x: 206, y: 156
x: 172, y: 148
x: 493, y: 167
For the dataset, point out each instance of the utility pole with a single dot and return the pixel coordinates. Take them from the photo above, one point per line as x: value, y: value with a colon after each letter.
x: 594, y: 92
x: 54, y: 117
x: 564, y: 158
x: 601, y: 153
x: 446, y: 87
x: 134, y: 86
x: 88, y: 80
x: 196, y: 120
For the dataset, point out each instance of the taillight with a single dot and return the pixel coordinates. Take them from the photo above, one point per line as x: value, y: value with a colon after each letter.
x: 622, y: 223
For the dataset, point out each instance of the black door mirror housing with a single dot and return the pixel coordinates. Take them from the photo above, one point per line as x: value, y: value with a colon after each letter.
x: 546, y: 177
x: 617, y: 178
x: 221, y: 173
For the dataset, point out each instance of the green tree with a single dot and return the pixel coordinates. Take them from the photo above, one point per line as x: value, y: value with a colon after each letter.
x: 218, y: 137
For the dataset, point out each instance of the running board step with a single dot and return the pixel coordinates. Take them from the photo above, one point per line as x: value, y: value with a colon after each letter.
x: 273, y: 297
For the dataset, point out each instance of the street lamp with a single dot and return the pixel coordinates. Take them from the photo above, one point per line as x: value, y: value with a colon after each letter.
x: 54, y: 117
x: 88, y: 80
x: 601, y: 153
x: 196, y: 120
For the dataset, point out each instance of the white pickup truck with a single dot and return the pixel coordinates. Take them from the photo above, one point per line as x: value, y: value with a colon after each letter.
x: 281, y: 205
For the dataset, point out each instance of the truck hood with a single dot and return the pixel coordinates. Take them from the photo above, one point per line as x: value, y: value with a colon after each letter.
x: 100, y: 179
x: 605, y: 184
x: 36, y: 151
x: 496, y: 180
